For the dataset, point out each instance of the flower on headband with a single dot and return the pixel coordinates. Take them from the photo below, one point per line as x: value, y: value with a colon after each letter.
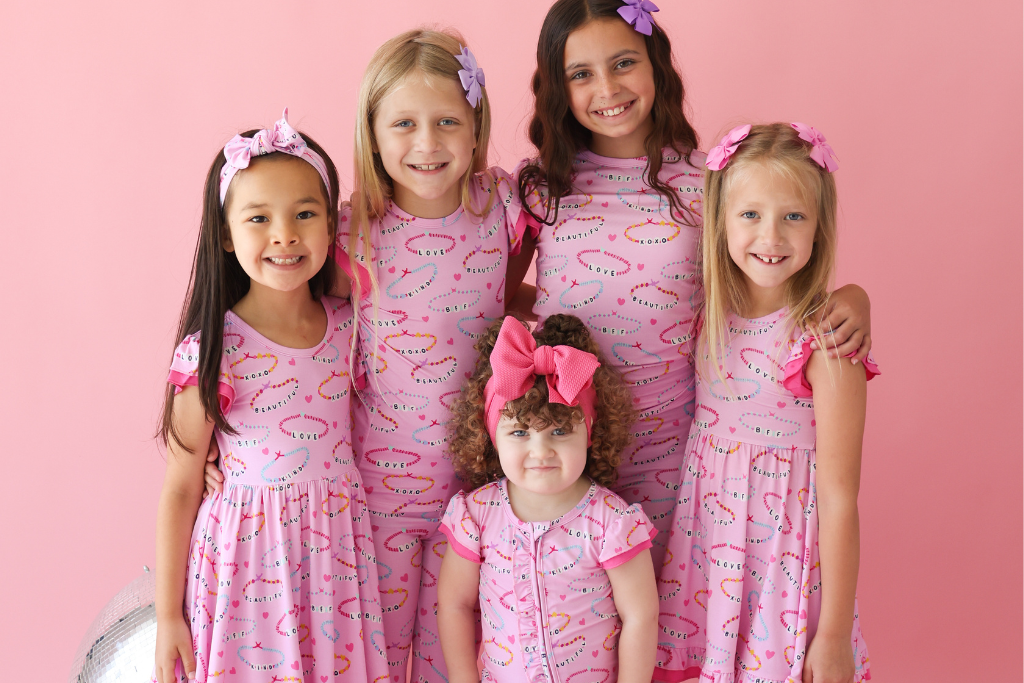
x: 719, y: 156
x: 822, y: 152
x: 471, y: 75
x: 638, y: 14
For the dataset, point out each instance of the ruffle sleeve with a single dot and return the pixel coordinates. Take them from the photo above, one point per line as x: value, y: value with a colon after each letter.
x: 340, y: 252
x: 794, y: 377
x: 515, y: 217
x: 184, y: 371
x: 628, y: 533
x: 461, y: 529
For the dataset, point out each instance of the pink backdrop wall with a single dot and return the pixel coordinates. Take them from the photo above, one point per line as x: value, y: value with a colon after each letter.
x: 116, y: 108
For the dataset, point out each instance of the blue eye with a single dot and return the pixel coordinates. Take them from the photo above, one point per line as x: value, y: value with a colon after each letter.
x: 749, y: 214
x: 519, y: 432
x: 794, y: 216
x: 447, y: 122
x: 403, y: 124
x: 558, y: 431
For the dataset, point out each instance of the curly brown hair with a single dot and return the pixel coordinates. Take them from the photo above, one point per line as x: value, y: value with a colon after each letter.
x: 469, y: 445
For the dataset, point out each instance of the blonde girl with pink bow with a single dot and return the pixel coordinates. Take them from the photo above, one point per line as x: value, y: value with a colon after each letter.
x: 557, y: 566
x: 614, y: 200
x: 274, y: 578
x: 765, y: 537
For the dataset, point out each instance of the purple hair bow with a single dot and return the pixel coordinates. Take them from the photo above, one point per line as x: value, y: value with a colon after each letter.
x: 638, y: 13
x: 719, y: 156
x: 822, y: 152
x: 281, y: 138
x: 472, y: 76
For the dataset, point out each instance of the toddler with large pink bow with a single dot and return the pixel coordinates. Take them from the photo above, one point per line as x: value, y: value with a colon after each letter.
x: 558, y: 566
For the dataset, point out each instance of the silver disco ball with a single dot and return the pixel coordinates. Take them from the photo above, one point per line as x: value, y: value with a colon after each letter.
x: 121, y: 643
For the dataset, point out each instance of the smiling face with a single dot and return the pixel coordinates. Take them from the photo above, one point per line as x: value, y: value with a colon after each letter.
x: 278, y: 222
x: 424, y: 132
x: 770, y: 225
x: 545, y: 462
x: 610, y: 83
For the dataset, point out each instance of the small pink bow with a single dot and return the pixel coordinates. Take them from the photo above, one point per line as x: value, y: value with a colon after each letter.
x: 239, y: 151
x: 638, y: 13
x: 516, y: 360
x: 822, y: 152
x: 719, y: 156
x: 471, y: 75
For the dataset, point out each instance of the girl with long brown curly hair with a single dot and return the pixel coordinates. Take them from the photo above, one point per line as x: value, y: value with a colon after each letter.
x: 614, y: 197
x: 559, y: 566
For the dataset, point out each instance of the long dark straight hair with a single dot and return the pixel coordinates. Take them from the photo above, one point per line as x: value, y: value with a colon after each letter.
x: 559, y: 137
x: 218, y: 282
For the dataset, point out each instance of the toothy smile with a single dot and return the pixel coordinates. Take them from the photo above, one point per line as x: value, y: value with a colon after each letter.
x: 428, y: 167
x: 290, y: 261
x: 614, y: 111
x: 768, y: 259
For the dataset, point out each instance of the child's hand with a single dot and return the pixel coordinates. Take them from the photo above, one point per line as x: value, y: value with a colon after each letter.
x: 212, y: 476
x: 846, y: 323
x: 174, y: 641
x: 829, y: 660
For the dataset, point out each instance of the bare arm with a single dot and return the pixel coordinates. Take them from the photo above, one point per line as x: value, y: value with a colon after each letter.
x: 342, y: 283
x: 519, y: 297
x: 840, y: 398
x: 458, y: 594
x: 636, y: 599
x: 176, y: 515
x: 847, y: 321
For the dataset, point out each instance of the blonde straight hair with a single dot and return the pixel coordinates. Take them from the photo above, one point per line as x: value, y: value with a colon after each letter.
x: 432, y: 53
x: 779, y: 149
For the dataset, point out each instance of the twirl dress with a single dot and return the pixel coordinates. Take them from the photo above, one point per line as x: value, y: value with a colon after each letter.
x: 282, y: 579
x: 546, y: 602
x: 741, y: 587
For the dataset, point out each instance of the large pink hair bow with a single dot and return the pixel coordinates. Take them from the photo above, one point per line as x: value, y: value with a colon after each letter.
x: 719, y: 156
x: 638, y: 13
x: 281, y: 138
x: 516, y: 360
x: 822, y: 152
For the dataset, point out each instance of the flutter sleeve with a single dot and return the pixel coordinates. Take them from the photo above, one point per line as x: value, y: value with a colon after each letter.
x: 340, y: 252
x: 628, y: 533
x: 184, y: 372
x: 794, y: 377
x: 534, y: 199
x: 515, y: 217
x: 461, y: 529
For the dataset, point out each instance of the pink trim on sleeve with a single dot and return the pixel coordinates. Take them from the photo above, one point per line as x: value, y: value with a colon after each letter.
x: 225, y: 392
x: 671, y: 676
x: 460, y: 550
x: 794, y: 378
x: 626, y: 556
x: 341, y: 258
x: 518, y: 231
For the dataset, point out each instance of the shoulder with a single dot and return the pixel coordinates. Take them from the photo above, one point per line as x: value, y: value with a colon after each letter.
x: 683, y: 166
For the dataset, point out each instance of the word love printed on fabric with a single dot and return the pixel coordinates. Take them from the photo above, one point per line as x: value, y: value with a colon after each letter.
x: 441, y: 283
x: 744, y: 585
x: 618, y: 259
x: 282, y: 579
x: 546, y: 602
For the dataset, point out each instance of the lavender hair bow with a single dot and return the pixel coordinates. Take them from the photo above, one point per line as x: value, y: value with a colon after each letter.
x: 822, y: 152
x: 638, y: 13
x: 472, y: 76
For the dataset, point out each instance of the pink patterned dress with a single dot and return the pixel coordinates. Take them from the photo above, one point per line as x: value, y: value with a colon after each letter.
x: 617, y: 259
x: 442, y: 282
x: 741, y: 587
x: 547, y: 609
x: 282, y: 580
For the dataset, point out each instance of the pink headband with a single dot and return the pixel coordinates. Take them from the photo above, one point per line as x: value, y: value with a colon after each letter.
x: 282, y: 138
x: 821, y: 152
x: 516, y: 360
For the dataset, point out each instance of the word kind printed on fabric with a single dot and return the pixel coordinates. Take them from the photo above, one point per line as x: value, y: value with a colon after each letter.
x: 282, y: 581
x: 441, y: 283
x: 618, y: 259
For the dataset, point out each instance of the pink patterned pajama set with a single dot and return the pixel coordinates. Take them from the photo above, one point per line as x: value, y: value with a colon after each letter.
x: 282, y: 578
x: 744, y: 585
x: 442, y: 282
x: 617, y: 259
x: 546, y: 603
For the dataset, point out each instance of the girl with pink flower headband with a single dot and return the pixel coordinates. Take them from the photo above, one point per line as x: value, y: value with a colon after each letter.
x: 614, y: 205
x: 275, y: 576
x: 557, y: 566
x: 765, y: 535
